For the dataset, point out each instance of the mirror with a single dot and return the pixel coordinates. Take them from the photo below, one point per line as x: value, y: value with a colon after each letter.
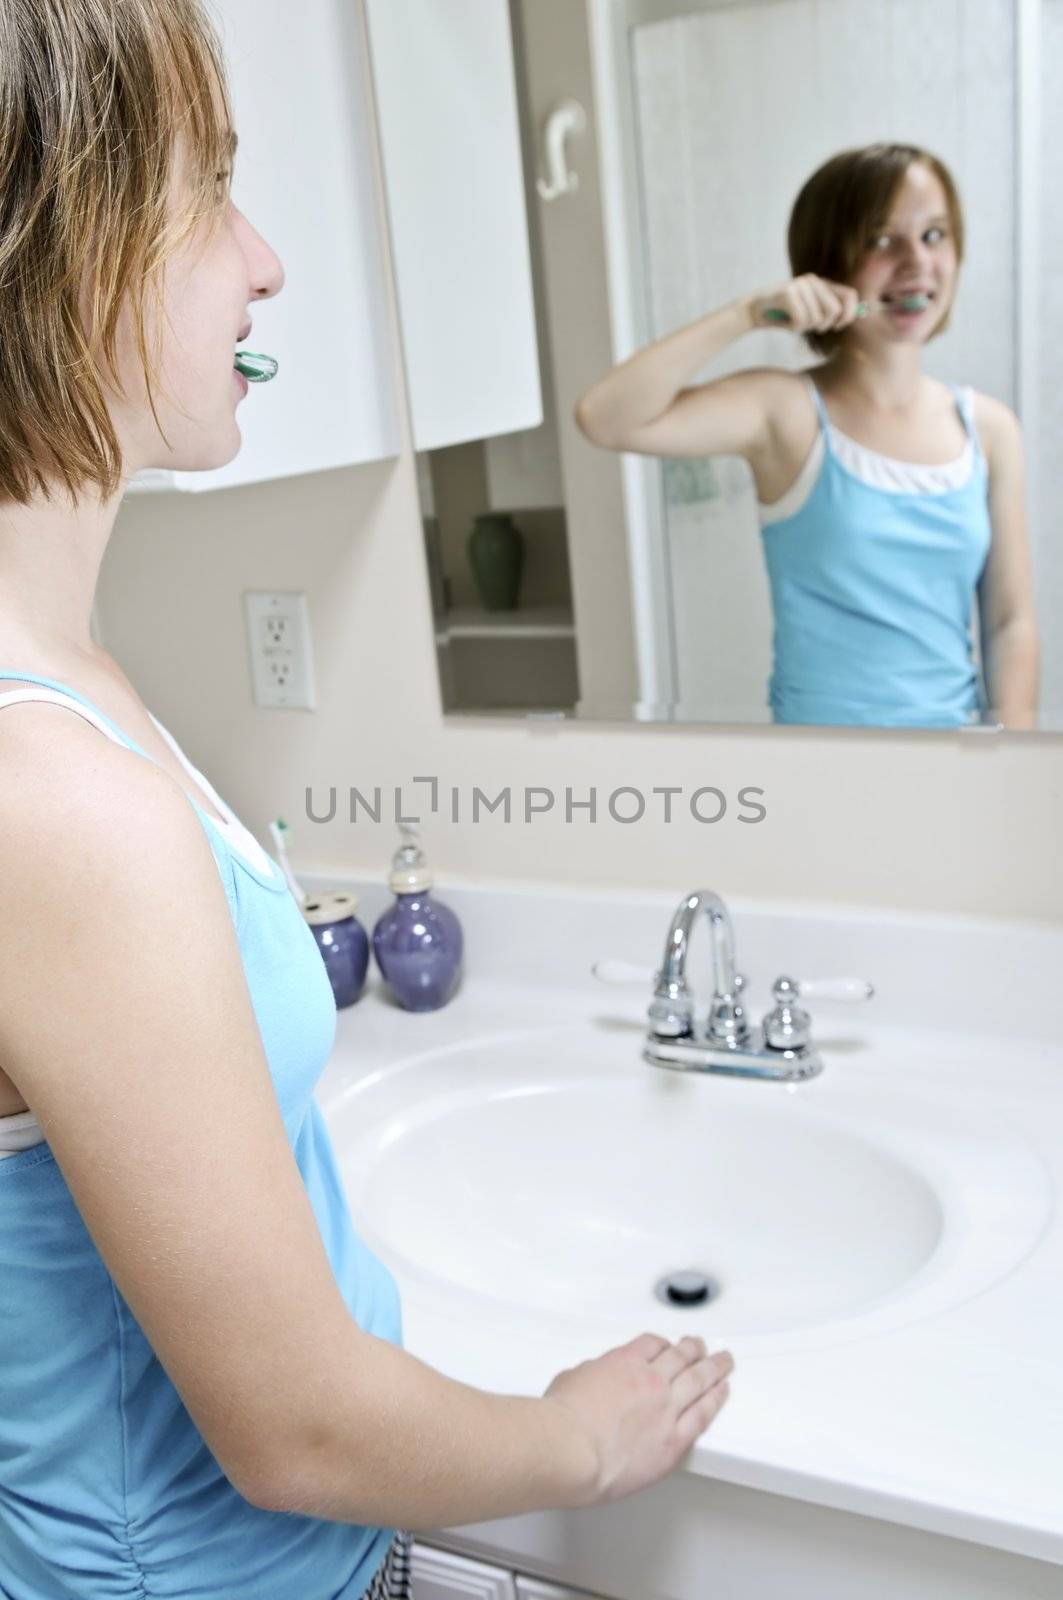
x: 717, y: 522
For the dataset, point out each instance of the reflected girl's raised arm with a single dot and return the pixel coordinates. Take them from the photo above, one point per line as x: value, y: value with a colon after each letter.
x: 644, y: 405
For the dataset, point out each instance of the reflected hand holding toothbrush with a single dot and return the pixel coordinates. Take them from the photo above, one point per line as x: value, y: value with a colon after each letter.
x: 865, y: 308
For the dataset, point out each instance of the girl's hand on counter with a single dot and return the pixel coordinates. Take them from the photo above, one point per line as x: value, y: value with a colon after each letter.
x: 641, y: 1406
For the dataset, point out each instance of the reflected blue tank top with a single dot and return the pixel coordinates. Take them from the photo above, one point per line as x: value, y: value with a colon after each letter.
x: 107, y: 1488
x: 872, y: 592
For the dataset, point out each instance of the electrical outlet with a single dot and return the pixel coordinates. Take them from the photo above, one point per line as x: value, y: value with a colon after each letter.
x: 278, y: 632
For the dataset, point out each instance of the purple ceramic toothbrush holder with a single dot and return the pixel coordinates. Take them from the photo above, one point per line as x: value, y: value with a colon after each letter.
x: 343, y: 942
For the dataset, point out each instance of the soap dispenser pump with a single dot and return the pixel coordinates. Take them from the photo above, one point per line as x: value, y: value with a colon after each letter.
x: 417, y: 941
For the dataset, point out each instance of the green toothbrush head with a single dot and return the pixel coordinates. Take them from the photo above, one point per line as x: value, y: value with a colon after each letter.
x: 910, y: 302
x: 903, y: 302
x: 255, y: 368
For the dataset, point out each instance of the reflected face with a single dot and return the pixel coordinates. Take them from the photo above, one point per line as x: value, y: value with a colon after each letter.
x: 207, y: 290
x: 912, y: 252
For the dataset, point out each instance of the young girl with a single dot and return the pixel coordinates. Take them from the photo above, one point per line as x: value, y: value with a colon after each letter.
x: 202, y: 1384
x: 887, y: 500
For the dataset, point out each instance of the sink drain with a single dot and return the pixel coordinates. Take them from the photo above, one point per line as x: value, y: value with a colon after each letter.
x: 690, y: 1288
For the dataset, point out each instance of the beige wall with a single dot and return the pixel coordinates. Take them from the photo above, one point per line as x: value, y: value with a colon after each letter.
x: 945, y: 821
x: 949, y: 821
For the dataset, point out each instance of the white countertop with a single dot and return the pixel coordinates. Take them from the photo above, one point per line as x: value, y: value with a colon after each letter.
x: 952, y: 1423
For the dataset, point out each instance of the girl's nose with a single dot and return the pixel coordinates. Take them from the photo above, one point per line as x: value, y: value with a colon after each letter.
x: 269, y: 276
x: 266, y: 267
x: 915, y: 252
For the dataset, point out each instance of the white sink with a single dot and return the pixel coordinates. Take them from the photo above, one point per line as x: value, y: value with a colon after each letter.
x: 554, y: 1177
x: 886, y: 1237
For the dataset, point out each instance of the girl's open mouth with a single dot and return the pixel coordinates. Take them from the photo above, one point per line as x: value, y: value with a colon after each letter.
x: 912, y: 303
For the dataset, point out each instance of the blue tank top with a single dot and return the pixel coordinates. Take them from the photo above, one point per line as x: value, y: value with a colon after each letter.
x: 872, y: 593
x: 107, y: 1488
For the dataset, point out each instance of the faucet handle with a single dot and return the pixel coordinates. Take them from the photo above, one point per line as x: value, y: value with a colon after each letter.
x: 671, y: 1011
x: 787, y: 1026
x: 832, y: 988
x: 611, y: 970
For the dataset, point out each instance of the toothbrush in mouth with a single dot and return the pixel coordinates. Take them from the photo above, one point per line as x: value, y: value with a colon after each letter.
x: 903, y: 302
x: 865, y: 308
x: 255, y: 368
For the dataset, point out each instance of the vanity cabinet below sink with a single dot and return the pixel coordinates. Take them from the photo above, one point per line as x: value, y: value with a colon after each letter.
x: 442, y: 1575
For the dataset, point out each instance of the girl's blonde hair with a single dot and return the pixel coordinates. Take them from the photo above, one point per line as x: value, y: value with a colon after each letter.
x: 94, y: 97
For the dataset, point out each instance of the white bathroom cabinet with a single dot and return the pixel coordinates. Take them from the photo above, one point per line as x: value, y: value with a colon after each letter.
x: 693, y: 1539
x: 305, y: 177
x: 430, y: 83
x: 446, y: 103
x: 535, y: 1589
x: 442, y: 1575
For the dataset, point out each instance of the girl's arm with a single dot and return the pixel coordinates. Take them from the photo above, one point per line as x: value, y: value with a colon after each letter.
x: 642, y: 405
x: 210, y: 1236
x: 1008, y: 619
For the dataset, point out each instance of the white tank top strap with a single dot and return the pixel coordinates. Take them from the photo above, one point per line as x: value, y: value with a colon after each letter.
x: 821, y: 409
x: 240, y: 837
x: 963, y: 394
x: 231, y: 828
x: 790, y: 503
x: 228, y: 816
x: 57, y: 697
x: 20, y: 1129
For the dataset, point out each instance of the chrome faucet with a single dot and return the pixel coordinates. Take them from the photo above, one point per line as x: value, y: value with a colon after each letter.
x: 672, y: 1010
x: 780, y: 1048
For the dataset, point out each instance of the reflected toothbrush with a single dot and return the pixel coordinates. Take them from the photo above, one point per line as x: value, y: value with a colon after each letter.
x: 904, y: 302
x: 255, y: 368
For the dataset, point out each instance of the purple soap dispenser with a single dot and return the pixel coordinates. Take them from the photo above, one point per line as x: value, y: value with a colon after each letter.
x: 417, y: 941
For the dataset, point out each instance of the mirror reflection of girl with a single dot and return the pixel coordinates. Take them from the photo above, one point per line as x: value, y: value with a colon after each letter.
x: 887, y: 500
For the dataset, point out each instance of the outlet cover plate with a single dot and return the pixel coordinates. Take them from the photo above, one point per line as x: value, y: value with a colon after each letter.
x: 278, y: 633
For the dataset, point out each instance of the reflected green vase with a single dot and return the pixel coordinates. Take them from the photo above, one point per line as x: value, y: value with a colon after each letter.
x: 496, y: 555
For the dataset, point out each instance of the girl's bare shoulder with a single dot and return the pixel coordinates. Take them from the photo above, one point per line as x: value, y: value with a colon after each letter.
x: 994, y: 413
x: 999, y: 429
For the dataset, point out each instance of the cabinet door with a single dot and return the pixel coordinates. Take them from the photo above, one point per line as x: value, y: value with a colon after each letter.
x: 439, y: 1575
x: 450, y: 146
x: 305, y: 178
x: 536, y: 1589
